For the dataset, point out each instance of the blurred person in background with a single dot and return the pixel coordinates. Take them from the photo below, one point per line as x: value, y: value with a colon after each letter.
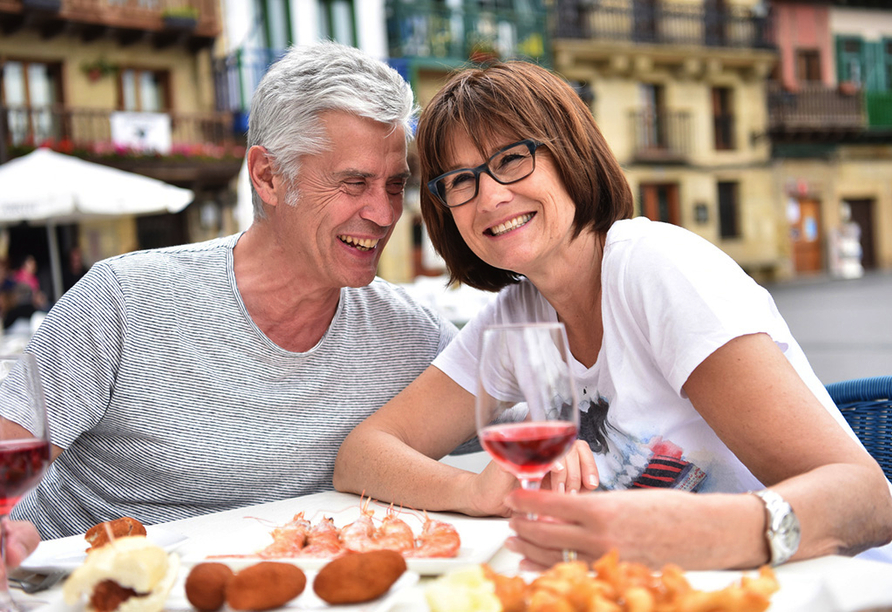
x: 205, y: 377
x: 74, y: 270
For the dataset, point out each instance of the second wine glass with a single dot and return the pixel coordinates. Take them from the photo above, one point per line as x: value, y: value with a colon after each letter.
x: 24, y: 445
x: 527, y: 415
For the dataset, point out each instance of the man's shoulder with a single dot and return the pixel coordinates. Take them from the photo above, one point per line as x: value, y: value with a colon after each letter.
x: 194, y: 251
x: 384, y: 294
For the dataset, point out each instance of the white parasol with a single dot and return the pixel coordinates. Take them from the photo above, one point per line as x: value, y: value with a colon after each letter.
x: 54, y: 188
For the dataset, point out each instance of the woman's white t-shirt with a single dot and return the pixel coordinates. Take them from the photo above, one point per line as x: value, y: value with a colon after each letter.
x: 669, y: 299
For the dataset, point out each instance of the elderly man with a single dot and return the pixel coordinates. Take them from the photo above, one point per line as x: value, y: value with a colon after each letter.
x: 199, y: 378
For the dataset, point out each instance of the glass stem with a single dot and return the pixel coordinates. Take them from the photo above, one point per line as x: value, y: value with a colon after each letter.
x: 531, y: 484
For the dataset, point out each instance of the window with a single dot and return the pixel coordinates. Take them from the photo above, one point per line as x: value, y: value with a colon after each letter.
x: 30, y: 90
x: 808, y: 65
x: 729, y: 224
x: 659, y: 202
x: 723, y: 118
x: 849, y: 58
x: 651, y: 133
x: 276, y: 15
x: 337, y: 22
x: 146, y: 91
x: 887, y: 63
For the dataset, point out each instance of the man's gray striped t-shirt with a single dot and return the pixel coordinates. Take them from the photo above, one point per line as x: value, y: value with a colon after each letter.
x: 170, y: 402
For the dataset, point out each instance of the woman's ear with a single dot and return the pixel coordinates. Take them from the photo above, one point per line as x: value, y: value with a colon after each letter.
x: 261, y: 171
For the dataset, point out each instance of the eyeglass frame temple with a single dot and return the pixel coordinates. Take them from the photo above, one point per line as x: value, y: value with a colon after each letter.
x: 531, y: 144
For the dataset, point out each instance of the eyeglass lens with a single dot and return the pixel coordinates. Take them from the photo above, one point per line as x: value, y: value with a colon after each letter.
x: 507, y: 166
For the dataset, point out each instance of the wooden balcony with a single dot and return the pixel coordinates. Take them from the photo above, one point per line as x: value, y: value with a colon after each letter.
x: 662, y: 23
x: 194, y: 23
x: 203, y: 152
x: 662, y: 137
x: 815, y: 113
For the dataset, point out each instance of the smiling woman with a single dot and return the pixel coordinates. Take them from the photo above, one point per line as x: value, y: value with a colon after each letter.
x: 689, y: 381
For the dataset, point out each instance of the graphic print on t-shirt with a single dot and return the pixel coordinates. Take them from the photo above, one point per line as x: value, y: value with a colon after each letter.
x: 635, y: 464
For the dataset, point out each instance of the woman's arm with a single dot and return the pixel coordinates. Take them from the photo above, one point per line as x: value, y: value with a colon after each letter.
x: 393, y: 455
x: 756, y: 402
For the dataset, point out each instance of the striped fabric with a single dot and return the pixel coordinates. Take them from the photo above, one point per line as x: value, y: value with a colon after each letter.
x: 170, y: 402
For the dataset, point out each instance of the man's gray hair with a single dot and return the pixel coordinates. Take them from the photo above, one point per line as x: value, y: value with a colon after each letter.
x: 310, y: 80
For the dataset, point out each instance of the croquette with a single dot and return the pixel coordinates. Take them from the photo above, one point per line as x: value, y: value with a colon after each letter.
x: 265, y: 586
x: 359, y: 577
x: 103, y: 533
x: 206, y: 586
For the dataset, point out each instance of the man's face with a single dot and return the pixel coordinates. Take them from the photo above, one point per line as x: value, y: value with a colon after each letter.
x: 348, y: 200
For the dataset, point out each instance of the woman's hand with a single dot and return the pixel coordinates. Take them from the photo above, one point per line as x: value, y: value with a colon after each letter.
x: 21, y: 540
x: 654, y: 527
x: 576, y: 472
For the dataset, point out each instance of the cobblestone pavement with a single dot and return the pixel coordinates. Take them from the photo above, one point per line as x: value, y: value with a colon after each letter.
x: 844, y: 326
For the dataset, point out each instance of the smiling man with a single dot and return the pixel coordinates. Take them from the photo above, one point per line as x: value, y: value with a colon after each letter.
x: 199, y: 378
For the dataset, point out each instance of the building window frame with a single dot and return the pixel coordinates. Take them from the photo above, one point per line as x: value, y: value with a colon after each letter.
x: 728, y: 195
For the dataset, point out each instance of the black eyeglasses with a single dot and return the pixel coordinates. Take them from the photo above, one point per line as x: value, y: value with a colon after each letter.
x: 508, y: 165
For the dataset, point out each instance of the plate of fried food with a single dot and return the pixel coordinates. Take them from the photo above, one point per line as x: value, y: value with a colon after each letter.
x: 609, y: 584
x: 431, y: 543
x: 66, y: 554
x: 131, y: 574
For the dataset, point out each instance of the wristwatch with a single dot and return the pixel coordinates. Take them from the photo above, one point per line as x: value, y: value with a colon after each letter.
x: 783, y: 531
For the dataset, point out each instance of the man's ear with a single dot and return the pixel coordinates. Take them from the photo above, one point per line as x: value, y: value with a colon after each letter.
x: 260, y: 169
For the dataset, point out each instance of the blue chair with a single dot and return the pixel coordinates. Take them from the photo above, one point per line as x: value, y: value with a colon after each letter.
x: 866, y: 403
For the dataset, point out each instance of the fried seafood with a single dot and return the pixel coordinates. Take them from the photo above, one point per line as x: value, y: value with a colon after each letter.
x: 607, y: 586
x: 359, y: 577
x: 264, y: 586
x: 127, y: 575
x: 206, y: 586
x: 103, y: 533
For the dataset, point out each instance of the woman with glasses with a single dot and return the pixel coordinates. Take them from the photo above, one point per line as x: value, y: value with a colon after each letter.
x: 694, y: 395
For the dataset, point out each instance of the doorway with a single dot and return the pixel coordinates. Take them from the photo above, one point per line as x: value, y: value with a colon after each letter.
x: 805, y: 234
x: 862, y: 214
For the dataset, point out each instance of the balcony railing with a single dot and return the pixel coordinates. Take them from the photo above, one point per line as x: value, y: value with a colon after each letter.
x: 198, y: 18
x: 89, y: 132
x: 663, y: 23
x: 663, y: 137
x: 426, y: 29
x: 236, y: 76
x: 815, y: 110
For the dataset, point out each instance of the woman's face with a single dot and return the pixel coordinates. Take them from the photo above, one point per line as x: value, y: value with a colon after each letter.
x: 520, y: 227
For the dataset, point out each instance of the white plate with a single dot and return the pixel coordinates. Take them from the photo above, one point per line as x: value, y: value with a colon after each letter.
x: 66, y: 554
x: 246, y: 535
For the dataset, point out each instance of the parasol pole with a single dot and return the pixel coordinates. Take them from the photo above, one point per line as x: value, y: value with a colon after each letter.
x: 52, y: 239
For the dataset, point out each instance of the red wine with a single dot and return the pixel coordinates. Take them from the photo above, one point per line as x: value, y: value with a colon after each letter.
x: 528, y: 449
x: 22, y: 464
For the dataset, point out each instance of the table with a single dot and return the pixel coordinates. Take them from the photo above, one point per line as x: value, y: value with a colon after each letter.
x: 827, y: 584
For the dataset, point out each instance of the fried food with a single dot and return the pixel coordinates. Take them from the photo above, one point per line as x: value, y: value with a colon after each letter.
x: 127, y: 575
x: 264, y: 586
x: 467, y: 588
x: 103, y: 533
x: 359, y: 577
x: 206, y: 586
x: 607, y: 586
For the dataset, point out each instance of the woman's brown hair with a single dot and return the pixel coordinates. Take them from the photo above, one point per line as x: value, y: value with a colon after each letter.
x: 516, y: 100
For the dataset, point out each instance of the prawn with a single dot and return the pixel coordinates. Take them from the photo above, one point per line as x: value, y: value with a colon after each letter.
x: 358, y: 535
x: 289, y: 539
x: 437, y: 539
x: 394, y: 534
x: 322, y: 540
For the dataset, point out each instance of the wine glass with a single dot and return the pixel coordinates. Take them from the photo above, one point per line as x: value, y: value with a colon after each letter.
x: 24, y: 453
x: 527, y: 415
